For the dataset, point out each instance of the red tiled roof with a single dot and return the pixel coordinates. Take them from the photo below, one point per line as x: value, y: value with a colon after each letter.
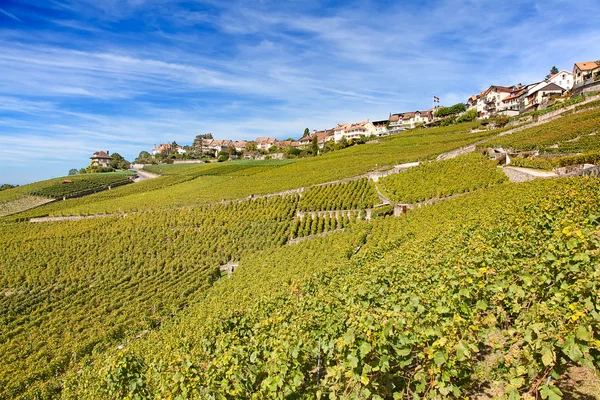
x: 587, y: 65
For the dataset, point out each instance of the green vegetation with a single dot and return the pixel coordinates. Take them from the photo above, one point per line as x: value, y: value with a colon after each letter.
x: 25, y: 197
x: 70, y: 289
x: 353, y: 195
x: 569, y: 134
x: 445, y: 302
x: 322, y: 223
x: 548, y: 164
x: 76, y: 185
x: 491, y: 294
x: 443, y: 178
x: 448, y: 111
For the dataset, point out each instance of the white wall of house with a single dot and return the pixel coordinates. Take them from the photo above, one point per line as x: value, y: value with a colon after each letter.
x: 564, y: 79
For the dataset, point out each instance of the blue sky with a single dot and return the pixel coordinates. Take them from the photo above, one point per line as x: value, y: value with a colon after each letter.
x: 82, y: 76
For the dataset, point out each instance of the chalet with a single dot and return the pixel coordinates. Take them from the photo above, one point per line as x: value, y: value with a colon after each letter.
x: 264, y: 143
x: 101, y: 159
x: 584, y: 71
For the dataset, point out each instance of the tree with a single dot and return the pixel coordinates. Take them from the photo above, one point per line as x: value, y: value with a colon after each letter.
x: 306, y: 132
x: 223, y: 156
x: 6, y: 186
x: 199, y: 141
x: 73, y: 171
x: 118, y: 162
x: 143, y: 158
x: 553, y: 71
x: 315, y: 144
x: 251, y: 146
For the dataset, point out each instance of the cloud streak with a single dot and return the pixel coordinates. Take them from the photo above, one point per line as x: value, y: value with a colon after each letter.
x: 9, y: 15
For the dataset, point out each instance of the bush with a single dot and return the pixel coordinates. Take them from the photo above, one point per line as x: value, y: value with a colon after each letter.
x: 468, y: 116
x: 447, y: 111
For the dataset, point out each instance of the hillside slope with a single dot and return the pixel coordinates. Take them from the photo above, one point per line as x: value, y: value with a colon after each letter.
x: 489, y: 293
x: 416, y: 311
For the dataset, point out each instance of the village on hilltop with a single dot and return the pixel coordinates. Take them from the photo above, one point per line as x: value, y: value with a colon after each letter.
x: 494, y: 102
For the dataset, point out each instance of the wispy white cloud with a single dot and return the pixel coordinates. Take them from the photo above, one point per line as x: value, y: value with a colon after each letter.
x: 10, y: 15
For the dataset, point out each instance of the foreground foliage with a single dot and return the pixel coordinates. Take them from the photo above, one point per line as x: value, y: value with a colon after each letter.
x: 403, y: 308
x: 70, y: 289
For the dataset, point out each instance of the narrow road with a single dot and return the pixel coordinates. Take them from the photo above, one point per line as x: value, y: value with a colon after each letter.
x: 519, y: 174
x: 142, y: 175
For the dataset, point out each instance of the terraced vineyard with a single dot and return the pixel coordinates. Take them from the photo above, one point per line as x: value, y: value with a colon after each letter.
x: 491, y: 294
x: 571, y: 134
x: 73, y: 288
x: 451, y: 301
x: 439, y: 179
x: 25, y: 197
x: 353, y: 195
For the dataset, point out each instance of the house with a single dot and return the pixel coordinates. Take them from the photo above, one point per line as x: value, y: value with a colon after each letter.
x: 381, y: 127
x: 353, y: 131
x: 472, y: 102
x: 240, y: 145
x: 163, y: 147
x: 324, y: 136
x: 583, y: 71
x: 101, y: 159
x: 305, y: 140
x: 539, y: 95
x: 204, y: 146
x: 510, y: 106
x: 264, y: 143
x: 395, y: 123
x: 218, y: 146
x: 248, y: 155
x: 282, y: 144
x: 564, y: 79
x: 411, y: 119
x: 490, y: 100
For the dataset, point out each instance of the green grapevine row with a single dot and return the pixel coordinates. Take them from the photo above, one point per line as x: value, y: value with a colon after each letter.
x: 358, y: 194
x: 71, y: 289
x: 572, y: 133
x: 443, y: 178
x: 438, y: 304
